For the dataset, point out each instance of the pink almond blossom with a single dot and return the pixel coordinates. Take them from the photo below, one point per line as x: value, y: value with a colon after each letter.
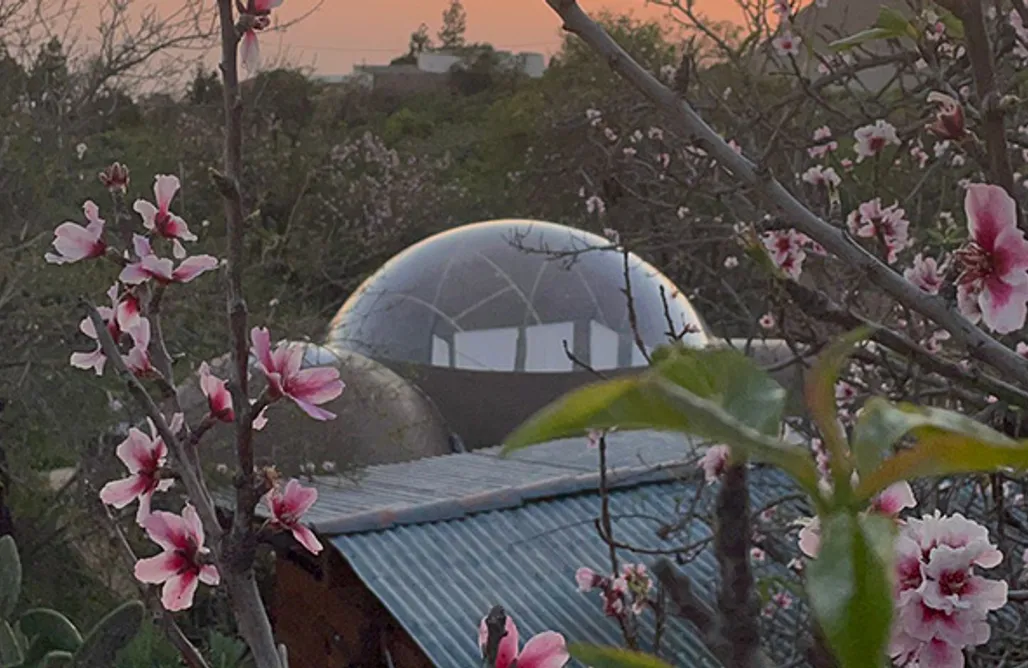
x: 121, y: 316
x: 888, y: 224
x: 144, y: 457
x: 822, y: 176
x: 73, y: 242
x: 162, y: 270
x: 288, y: 508
x: 825, y: 144
x: 890, y: 502
x: 180, y: 567
x: 306, y: 387
x: 249, y: 48
x: 587, y: 579
x: 138, y: 358
x: 925, y: 273
x: 713, y: 462
x: 544, y: 650
x: 219, y: 399
x: 786, y: 248
x: 159, y: 219
x: 872, y: 139
x: 993, y: 281
x: 942, y: 603
x: 787, y: 44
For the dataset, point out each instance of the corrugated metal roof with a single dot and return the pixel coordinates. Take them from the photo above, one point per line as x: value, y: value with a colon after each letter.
x: 439, y: 579
x: 439, y: 488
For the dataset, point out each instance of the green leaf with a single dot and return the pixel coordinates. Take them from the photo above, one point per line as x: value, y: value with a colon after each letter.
x: 109, y: 636
x: 954, y: 26
x: 48, y: 630
x: 849, y: 587
x: 716, y: 394
x: 613, y: 657
x: 730, y: 379
x: 706, y: 419
x: 621, y: 403
x: 10, y: 650
x: 10, y: 576
x: 898, y: 26
x: 945, y: 443
x: 820, y: 391
x: 724, y: 376
x: 856, y: 39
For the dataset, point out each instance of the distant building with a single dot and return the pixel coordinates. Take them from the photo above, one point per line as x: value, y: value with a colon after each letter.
x: 529, y: 64
x: 430, y: 71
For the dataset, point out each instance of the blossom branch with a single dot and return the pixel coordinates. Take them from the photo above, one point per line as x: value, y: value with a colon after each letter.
x: 195, y: 486
x: 686, y: 120
x: 819, y: 305
x: 980, y: 53
x: 240, y: 580
x: 190, y: 654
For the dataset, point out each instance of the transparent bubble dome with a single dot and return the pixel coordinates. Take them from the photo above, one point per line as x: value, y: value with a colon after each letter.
x: 513, y: 296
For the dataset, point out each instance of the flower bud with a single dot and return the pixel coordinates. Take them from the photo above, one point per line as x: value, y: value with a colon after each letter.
x: 115, y: 178
x: 949, y: 119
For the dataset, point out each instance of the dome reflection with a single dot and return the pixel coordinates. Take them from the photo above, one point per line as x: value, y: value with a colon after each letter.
x: 513, y: 296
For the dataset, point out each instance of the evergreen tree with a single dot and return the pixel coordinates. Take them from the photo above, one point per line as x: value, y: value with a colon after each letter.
x: 455, y: 24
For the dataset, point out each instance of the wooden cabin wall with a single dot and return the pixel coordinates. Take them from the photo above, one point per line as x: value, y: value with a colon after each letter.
x: 329, y: 618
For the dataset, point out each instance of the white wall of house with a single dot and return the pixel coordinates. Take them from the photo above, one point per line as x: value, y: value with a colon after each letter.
x: 531, y: 64
x: 439, y: 63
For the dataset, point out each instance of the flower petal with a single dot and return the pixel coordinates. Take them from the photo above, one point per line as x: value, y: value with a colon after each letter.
x: 989, y: 211
x: 147, y: 211
x: 93, y: 360
x: 209, y: 575
x: 168, y: 530
x: 306, y: 537
x: 179, y: 590
x: 133, y: 274
x: 260, y: 340
x: 136, y: 451
x: 1004, y: 306
x: 120, y: 493
x: 164, y: 188
x: 545, y: 650
x: 156, y: 570
x: 313, y: 411
x: 250, y: 51
x: 299, y: 499
x: 316, y: 385
x: 192, y: 267
x: 193, y: 522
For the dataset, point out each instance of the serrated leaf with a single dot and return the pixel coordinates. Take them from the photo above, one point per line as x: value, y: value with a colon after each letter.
x: 614, y: 657
x: 944, y: 443
x: 849, y: 588
x: 856, y: 39
x: 10, y: 576
x: 109, y: 636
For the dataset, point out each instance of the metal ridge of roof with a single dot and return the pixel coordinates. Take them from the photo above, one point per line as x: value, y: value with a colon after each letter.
x: 503, y: 498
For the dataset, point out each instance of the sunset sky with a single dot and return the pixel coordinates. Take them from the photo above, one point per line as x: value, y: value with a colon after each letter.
x: 346, y: 32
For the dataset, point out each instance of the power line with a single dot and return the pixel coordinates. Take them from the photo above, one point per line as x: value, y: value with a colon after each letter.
x: 378, y: 49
